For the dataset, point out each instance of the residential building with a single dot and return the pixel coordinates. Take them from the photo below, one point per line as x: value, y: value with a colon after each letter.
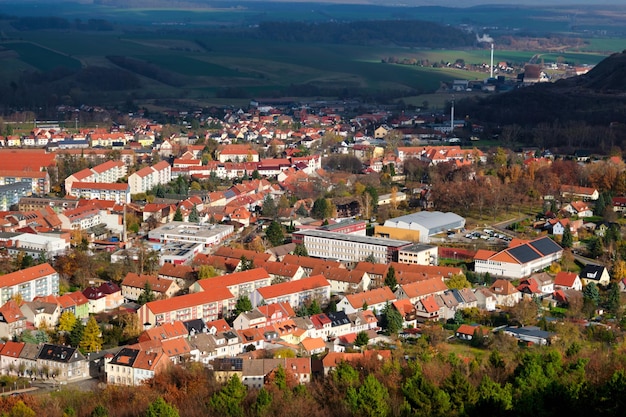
x: 419, y: 254
x: 106, y: 296
x: 12, y: 321
x: 132, y: 366
x: 296, y: 293
x: 118, y: 192
x: 374, y: 300
x: 134, y: 285
x: 149, y: 177
x: 38, y: 280
x: 567, y: 280
x: 506, y: 294
x: 66, y: 362
x: 240, y: 284
x: 597, y: 274
x: 11, y: 194
x: 206, y: 305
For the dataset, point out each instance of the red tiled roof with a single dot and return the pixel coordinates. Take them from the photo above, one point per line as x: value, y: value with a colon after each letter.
x: 26, y: 275
x: 316, y: 281
x: 190, y: 300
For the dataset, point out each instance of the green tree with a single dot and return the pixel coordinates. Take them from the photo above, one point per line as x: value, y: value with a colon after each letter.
x: 390, y: 278
x: 76, y: 334
x: 159, y: 408
x: 371, y: 399
x: 371, y: 258
x: 322, y: 209
x: 493, y: 399
x: 262, y: 403
x: 207, y: 271
x: 92, y: 337
x: 362, y: 339
x: 314, y: 308
x: 461, y: 392
x: 100, y: 411
x: 424, y: 398
x: 178, y: 215
x: 591, y: 293
x: 269, y: 208
x: 194, y: 216
x: 613, y: 301
x: 600, y: 205
x: 567, y: 240
x: 300, y: 250
x: 146, y: 295
x: 275, y: 233
x: 391, y: 319
x: 228, y: 400
x: 594, y: 246
x: 245, y: 263
x: 242, y: 305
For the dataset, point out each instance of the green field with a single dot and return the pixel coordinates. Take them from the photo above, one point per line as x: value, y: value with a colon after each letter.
x: 41, y: 58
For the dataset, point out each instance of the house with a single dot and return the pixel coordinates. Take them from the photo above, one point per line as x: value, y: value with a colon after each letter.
x: 415, y: 291
x: 506, y: 294
x: 313, y: 345
x: 428, y: 309
x: 106, y: 296
x: 407, y: 311
x: 467, y: 331
x: 132, y: 366
x: 12, y: 320
x: 578, y: 208
x: 67, y: 363
x: 343, y: 281
x: 240, y: 284
x: 41, y: 314
x: 134, y: 285
x: 486, y: 300
x: 595, y: 273
x: 10, y: 356
x: 584, y: 193
x: 567, y: 280
x: 374, y: 300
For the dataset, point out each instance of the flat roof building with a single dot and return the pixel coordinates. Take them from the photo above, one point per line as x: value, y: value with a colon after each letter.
x: 207, y: 234
x: 420, y: 226
x: 348, y: 248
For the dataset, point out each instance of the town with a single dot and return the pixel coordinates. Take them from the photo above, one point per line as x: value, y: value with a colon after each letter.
x: 277, y: 240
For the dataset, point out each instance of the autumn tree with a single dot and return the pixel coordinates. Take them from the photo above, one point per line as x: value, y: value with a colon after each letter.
x: 92, y: 337
x: 458, y: 281
x: 206, y: 271
x: 67, y: 321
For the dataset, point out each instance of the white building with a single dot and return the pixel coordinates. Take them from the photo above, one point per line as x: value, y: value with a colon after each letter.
x: 118, y: 192
x: 207, y: 234
x: 419, y: 254
x: 149, y: 177
x: 39, y: 280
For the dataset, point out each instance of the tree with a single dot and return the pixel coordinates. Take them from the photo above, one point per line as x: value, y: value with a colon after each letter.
x: 207, y: 271
x: 390, y: 278
x: 300, y: 250
x: 67, y: 321
x: 178, y: 215
x: 100, y: 411
x: 228, y: 400
x: 21, y: 410
x: 194, y: 217
x: 146, y: 295
x: 92, y: 337
x: 594, y: 246
x: 159, y: 408
x: 275, y: 233
x: 246, y: 264
x: 613, y: 299
x: 371, y: 399
x: 458, y: 281
x: 591, y: 293
x: 314, y: 308
x: 262, y: 403
x: 269, y: 208
x: 76, y: 334
x: 391, y: 319
x: 242, y: 305
x: 322, y: 209
x: 568, y: 240
x: 362, y: 339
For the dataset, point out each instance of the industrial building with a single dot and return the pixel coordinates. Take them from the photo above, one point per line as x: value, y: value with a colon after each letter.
x: 420, y: 226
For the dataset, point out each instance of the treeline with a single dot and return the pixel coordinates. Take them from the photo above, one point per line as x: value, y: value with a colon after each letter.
x: 572, y: 378
x: 381, y: 32
x: 146, y: 69
x: 52, y: 22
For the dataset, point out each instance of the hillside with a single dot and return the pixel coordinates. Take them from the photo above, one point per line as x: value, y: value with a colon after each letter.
x: 596, y: 98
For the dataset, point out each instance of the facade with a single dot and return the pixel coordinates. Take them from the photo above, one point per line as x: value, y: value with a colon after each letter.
x: 206, y: 305
x: 39, y: 280
x: 520, y: 260
x: 67, y: 363
x: 118, y: 192
x: 39, y: 181
x: 239, y: 283
x: 10, y: 194
x: 348, y: 248
x: 207, y: 234
x: 132, y: 367
x: 595, y: 273
x: 296, y: 293
x: 107, y: 172
x: 419, y: 254
x: 149, y: 177
x: 134, y: 285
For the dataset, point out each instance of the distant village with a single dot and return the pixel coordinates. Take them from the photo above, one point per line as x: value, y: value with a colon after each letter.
x: 337, y: 287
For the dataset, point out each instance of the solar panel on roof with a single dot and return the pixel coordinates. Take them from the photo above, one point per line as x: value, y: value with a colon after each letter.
x: 524, y: 254
x: 545, y: 246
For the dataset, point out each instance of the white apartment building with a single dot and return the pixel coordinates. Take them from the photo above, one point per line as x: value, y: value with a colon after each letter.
x: 118, y: 192
x: 39, y: 280
x: 149, y: 177
x: 207, y: 234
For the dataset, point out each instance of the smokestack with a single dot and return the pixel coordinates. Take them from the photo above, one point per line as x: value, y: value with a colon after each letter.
x: 452, y: 116
x: 491, y: 66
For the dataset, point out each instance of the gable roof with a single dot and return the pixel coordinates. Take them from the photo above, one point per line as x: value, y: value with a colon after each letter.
x: 372, y: 297
x: 316, y: 281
